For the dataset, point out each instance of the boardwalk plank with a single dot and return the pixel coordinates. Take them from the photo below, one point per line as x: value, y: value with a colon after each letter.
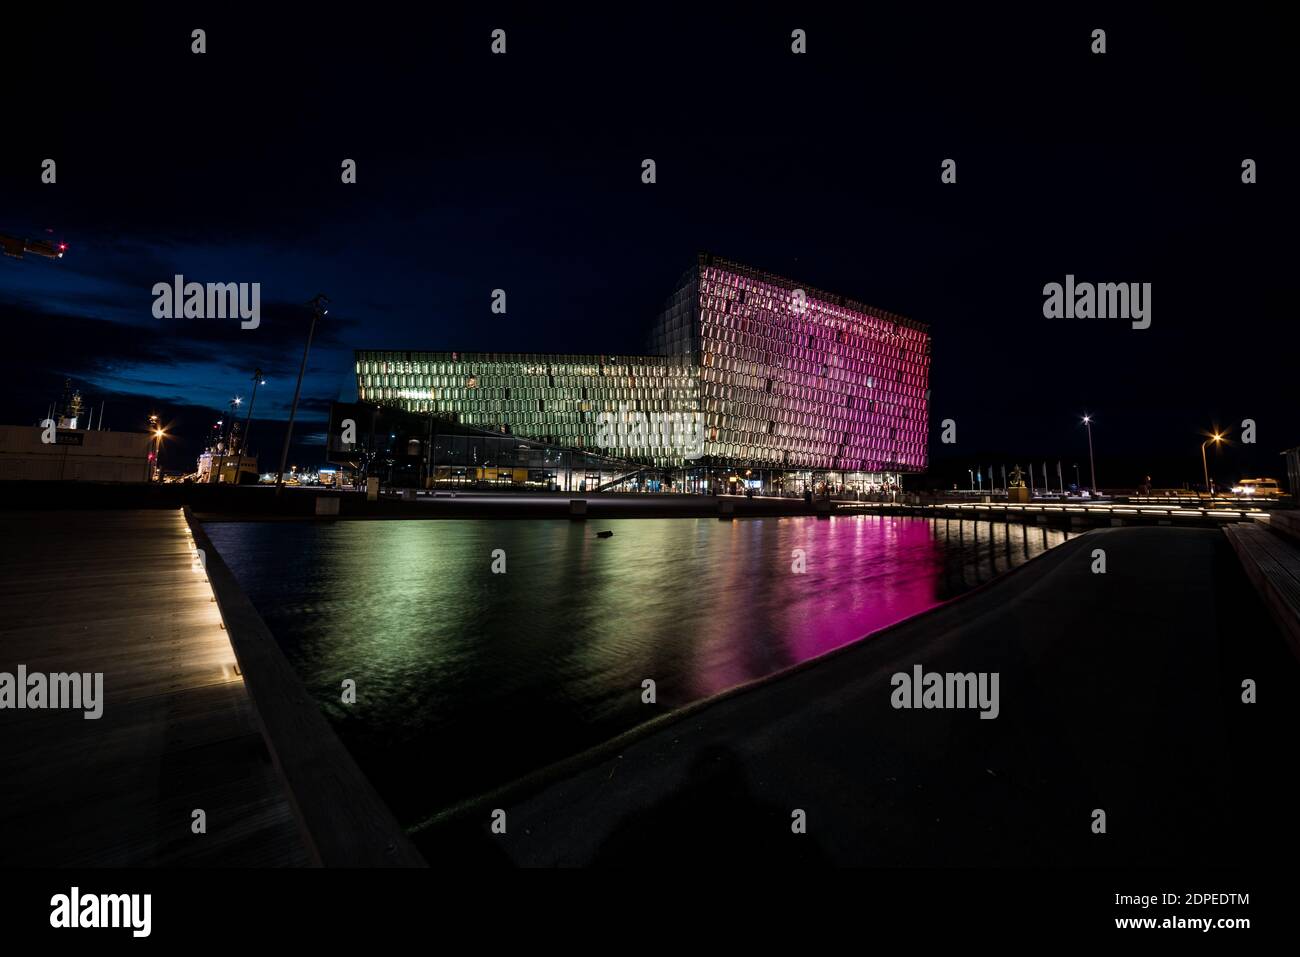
x: 114, y: 592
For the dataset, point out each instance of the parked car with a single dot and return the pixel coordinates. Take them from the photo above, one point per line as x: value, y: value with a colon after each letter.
x: 1257, y: 487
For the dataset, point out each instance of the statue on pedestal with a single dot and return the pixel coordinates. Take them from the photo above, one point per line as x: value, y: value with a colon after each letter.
x: 1016, y: 488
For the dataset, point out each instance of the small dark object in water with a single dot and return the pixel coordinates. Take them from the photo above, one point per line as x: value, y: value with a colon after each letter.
x: 604, y: 534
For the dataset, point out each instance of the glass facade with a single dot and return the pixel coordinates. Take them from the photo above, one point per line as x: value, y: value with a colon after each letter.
x: 581, y: 402
x: 748, y: 369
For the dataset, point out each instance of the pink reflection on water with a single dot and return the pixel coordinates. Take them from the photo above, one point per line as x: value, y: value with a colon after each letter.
x: 899, y: 564
x: 863, y: 574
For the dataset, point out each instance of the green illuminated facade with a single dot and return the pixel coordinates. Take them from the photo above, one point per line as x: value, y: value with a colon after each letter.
x: 565, y: 400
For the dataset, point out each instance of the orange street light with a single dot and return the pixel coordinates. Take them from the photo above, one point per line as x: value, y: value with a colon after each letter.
x: 1216, y: 438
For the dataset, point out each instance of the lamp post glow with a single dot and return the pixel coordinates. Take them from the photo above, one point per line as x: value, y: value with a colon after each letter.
x: 319, y: 307
x: 1092, y: 466
x: 158, y: 435
x: 156, y: 428
x: 1216, y: 438
x: 235, y: 403
x: 248, y: 421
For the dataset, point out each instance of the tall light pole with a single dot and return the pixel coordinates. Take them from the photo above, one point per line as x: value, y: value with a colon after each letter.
x: 1092, y: 466
x: 971, y: 473
x: 1216, y: 438
x: 319, y: 307
x: 235, y: 403
x: 157, y: 431
x: 248, y: 421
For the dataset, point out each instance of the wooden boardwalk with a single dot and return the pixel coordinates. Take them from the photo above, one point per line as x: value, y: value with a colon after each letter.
x: 115, y: 592
x: 1271, y: 560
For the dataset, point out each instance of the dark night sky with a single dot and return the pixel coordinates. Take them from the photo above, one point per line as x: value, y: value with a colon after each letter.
x: 522, y: 172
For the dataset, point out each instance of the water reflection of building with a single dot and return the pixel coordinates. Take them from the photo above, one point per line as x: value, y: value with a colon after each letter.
x: 752, y: 382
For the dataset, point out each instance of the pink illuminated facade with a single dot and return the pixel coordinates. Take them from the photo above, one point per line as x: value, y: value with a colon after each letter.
x: 793, y: 377
x: 748, y: 370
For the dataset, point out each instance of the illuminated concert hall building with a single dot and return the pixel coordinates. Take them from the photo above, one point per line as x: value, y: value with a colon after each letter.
x: 749, y: 379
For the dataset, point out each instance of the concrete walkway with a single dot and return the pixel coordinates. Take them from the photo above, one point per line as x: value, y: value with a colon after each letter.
x: 1118, y: 691
x: 114, y: 592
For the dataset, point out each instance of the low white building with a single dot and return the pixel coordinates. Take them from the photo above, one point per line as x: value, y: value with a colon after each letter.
x: 75, y: 455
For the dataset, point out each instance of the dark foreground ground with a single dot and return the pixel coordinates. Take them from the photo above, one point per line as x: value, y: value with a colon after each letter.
x: 1118, y: 691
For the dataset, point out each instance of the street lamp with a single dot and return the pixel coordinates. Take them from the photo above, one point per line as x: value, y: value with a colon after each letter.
x: 248, y: 421
x: 157, y: 431
x: 234, y: 404
x: 1216, y: 438
x: 971, y: 473
x: 158, y: 435
x: 1092, y: 466
x: 319, y: 307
